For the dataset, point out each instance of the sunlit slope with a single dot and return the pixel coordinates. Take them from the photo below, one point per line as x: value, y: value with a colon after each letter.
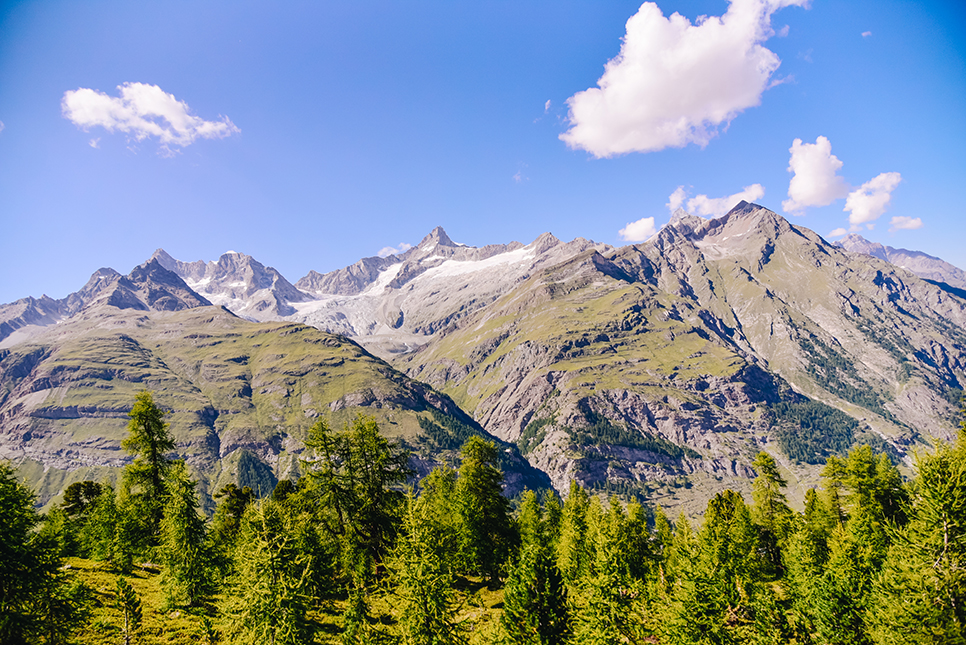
x: 685, y: 356
x: 603, y: 379
x: 864, y: 335
x: 242, y: 394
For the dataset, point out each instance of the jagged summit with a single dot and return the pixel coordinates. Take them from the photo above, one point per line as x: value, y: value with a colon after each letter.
x: 437, y: 236
x: 922, y: 264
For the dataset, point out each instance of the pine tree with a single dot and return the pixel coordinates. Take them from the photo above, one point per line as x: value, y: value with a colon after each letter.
x: 129, y: 604
x: 535, y: 597
x: 770, y: 511
x: 713, y: 595
x: 920, y: 596
x: 486, y: 532
x: 267, y: 597
x: 142, y: 482
x: 185, y: 576
x: 614, y: 610
x: 573, y: 552
x: 423, y: 583
x: 109, y: 534
x: 38, y: 602
x: 354, y: 474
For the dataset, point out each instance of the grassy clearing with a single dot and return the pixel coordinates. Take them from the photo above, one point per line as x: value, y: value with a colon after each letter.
x: 479, y: 610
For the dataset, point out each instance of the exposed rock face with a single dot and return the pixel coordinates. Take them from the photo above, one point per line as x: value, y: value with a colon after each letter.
x: 658, y: 369
x: 239, y: 282
x: 393, y: 305
x: 663, y: 360
x: 924, y: 266
x: 149, y: 287
x: 237, y: 391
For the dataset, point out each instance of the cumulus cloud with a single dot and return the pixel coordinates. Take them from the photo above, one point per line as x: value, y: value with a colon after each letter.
x: 839, y: 232
x: 142, y: 111
x: 639, y: 231
x: 674, y: 82
x: 866, y: 203
x: 905, y: 223
x: 95, y: 143
x: 716, y: 207
x: 546, y: 106
x: 814, y: 182
x: 676, y: 199
x: 386, y: 251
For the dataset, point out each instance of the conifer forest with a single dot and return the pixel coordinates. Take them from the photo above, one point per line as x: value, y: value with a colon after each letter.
x: 360, y: 551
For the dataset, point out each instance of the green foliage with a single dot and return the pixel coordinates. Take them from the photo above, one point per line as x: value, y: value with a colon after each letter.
x: 613, y: 610
x: 445, y: 431
x: 602, y: 431
x: 423, y: 583
x: 918, y: 597
x: 353, y: 473
x: 109, y: 534
x: 186, y: 573
x: 142, y: 483
x: 770, y: 511
x: 573, y: 552
x: 535, y: 606
x: 78, y: 498
x: 38, y: 603
x: 486, y: 532
x: 129, y: 604
x: 835, y: 372
x: 226, y: 523
x: 267, y: 597
x: 810, y: 431
x: 533, y: 434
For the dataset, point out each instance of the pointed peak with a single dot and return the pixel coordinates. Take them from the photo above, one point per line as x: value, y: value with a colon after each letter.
x: 745, y: 208
x: 437, y: 236
x: 544, y: 242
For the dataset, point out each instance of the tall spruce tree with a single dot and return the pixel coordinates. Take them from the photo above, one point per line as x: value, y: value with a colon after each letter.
x: 573, y: 552
x: 423, y: 582
x: 486, y: 532
x: 920, y: 596
x: 186, y: 574
x: 267, y: 597
x: 535, y: 606
x: 142, y: 482
x: 38, y: 603
x: 355, y: 474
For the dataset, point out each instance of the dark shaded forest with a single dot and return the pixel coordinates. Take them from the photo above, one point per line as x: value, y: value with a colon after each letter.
x: 352, y: 553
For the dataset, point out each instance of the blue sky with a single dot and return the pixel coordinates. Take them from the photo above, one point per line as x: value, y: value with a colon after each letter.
x: 311, y: 134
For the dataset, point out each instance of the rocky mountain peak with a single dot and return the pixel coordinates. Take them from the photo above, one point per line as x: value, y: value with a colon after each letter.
x: 437, y: 237
x: 922, y: 264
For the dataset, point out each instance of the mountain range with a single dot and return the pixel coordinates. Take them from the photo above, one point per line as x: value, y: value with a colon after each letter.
x: 656, y: 370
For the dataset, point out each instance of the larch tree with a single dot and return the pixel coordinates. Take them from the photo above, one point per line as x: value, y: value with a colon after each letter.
x: 142, y: 482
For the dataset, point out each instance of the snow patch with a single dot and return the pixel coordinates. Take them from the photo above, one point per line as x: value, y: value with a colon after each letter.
x: 457, y: 267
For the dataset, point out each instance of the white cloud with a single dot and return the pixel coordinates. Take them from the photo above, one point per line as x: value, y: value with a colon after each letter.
x: 783, y: 32
x: 142, y: 111
x: 386, y: 251
x: 867, y: 202
x: 546, y: 106
x: 815, y: 182
x: 839, y: 232
x: 716, y: 207
x: 905, y: 223
x: 676, y: 199
x: 866, y: 34
x: 2, y: 126
x: 675, y: 83
x: 639, y: 231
